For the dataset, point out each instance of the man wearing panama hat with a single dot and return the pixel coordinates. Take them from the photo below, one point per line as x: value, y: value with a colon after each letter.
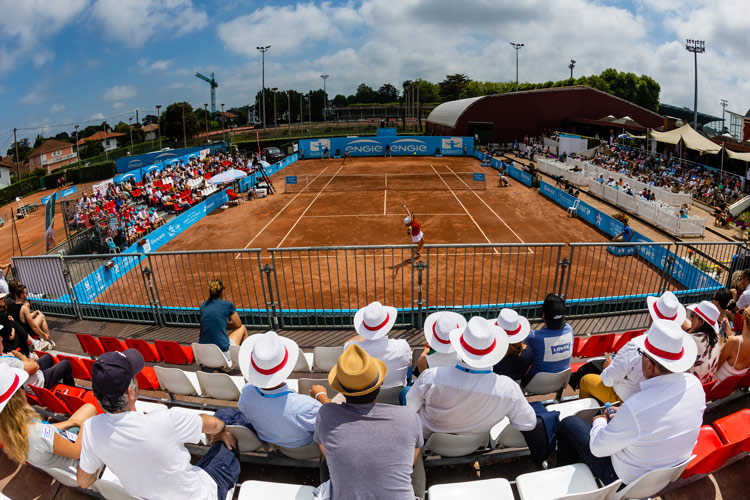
x: 438, y: 350
x: 665, y: 415
x: 371, y: 450
x: 373, y: 323
x: 468, y: 397
x: 279, y: 415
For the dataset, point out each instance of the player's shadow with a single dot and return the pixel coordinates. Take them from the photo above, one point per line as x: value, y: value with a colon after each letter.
x: 397, y: 267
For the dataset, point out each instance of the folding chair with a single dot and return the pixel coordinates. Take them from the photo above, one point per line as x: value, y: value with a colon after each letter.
x: 568, y: 482
x: 220, y: 385
x: 148, y: 351
x: 210, y: 356
x: 112, y: 344
x: 90, y: 344
x: 455, y: 445
x: 80, y: 370
x: 724, y: 388
x: 652, y: 482
x: 174, y: 353
x: 483, y: 489
x: 50, y: 401
x: 147, y: 379
x: 596, y: 345
x: 325, y: 358
x: 247, y: 440
x: 176, y: 381
x: 548, y: 383
x: 735, y: 428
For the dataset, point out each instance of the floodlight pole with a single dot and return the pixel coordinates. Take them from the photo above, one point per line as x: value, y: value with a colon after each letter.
x: 158, y: 122
x: 78, y: 157
x: 571, y: 66
x: 205, y: 108
x: 724, y: 103
x: 516, y: 46
x: 263, y: 51
x: 131, y: 134
x: 275, y: 119
x: 696, y: 47
x: 325, y: 94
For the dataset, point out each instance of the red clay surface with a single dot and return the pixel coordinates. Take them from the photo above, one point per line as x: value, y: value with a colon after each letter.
x: 30, y: 229
x: 310, y: 279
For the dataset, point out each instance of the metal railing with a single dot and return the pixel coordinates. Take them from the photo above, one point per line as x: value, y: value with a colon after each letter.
x: 322, y: 287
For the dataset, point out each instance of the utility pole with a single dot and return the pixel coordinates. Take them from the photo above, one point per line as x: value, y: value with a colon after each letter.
x: 571, y: 66
x: 205, y: 108
x: 263, y: 51
x: 223, y: 122
x: 696, y: 47
x: 106, y: 153
x: 325, y: 95
x: 131, y: 134
x: 18, y: 169
x: 301, y: 110
x: 78, y: 157
x: 724, y: 103
x: 516, y: 46
x: 289, y: 109
x: 309, y: 106
x: 184, y: 136
x: 158, y: 122
x: 275, y: 119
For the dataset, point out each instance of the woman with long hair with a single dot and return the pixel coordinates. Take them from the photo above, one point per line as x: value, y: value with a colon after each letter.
x: 26, y: 437
x: 704, y: 330
x: 734, y: 358
x: 34, y: 322
x: 220, y: 323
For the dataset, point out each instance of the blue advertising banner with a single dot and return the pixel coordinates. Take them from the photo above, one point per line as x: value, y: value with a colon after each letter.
x: 518, y: 174
x: 291, y: 179
x: 387, y: 132
x: 68, y: 192
x: 478, y: 177
x: 399, y: 146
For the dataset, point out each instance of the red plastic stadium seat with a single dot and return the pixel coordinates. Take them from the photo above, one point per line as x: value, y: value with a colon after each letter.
x: 724, y: 388
x: 735, y: 428
x: 90, y: 344
x: 88, y: 363
x: 72, y: 402
x: 42, y: 353
x: 708, y: 386
x: 148, y: 351
x: 745, y: 381
x: 713, y: 461
x: 708, y: 442
x: 577, y: 343
x: 597, y: 345
x: 626, y: 337
x: 111, y: 344
x: 50, y: 401
x: 80, y: 371
x: 173, y: 353
x: 90, y: 398
x: 575, y: 366
x: 147, y: 379
x: 66, y: 389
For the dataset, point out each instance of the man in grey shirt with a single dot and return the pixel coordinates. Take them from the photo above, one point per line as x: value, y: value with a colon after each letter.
x: 372, y: 450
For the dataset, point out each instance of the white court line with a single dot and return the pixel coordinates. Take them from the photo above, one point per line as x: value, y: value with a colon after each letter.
x: 308, y: 206
x: 462, y: 206
x: 385, y: 198
x: 380, y: 215
x: 278, y: 213
x: 491, y: 210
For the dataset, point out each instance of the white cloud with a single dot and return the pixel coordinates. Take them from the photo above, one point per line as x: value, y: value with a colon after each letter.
x: 118, y: 105
x: 34, y: 96
x: 134, y: 22
x: 43, y: 57
x: 24, y: 26
x: 119, y: 92
x: 97, y: 116
x: 56, y: 108
x: 161, y: 65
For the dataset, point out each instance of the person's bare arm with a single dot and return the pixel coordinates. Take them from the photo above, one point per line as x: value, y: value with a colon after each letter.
x: 727, y: 350
x: 319, y: 393
x: 234, y: 321
x: 322, y: 451
x: 416, y: 455
x: 29, y: 365
x: 26, y: 317
x: 216, y: 428
x: 85, y: 479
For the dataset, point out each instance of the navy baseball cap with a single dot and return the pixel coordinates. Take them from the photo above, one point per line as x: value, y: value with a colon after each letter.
x: 112, y: 372
x: 554, y: 311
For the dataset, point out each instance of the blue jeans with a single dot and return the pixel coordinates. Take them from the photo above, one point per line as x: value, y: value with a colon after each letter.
x: 573, y: 437
x: 223, y: 466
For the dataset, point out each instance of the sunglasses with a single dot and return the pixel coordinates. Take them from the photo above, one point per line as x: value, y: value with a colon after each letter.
x: 643, y: 353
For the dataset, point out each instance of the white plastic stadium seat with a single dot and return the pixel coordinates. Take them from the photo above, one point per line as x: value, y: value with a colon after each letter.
x: 210, y: 356
x: 177, y: 381
x: 303, y: 365
x: 247, y: 440
x: 390, y: 395
x: 504, y: 434
x: 325, y: 358
x: 558, y: 482
x: 148, y: 406
x: 309, y: 452
x: 548, y: 383
x: 455, y: 445
x: 253, y: 490
x: 234, y: 353
x: 305, y: 384
x: 483, y: 489
x: 574, y: 407
x: 652, y: 482
x: 65, y: 476
x: 220, y: 385
x: 109, y: 486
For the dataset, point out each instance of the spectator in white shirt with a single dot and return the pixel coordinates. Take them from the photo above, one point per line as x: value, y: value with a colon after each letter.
x: 438, y: 350
x: 743, y: 300
x: 373, y: 323
x: 621, y: 376
x: 469, y: 398
x: 655, y: 428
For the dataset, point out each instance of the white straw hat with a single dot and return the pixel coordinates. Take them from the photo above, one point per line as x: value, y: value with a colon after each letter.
x: 481, y: 344
x: 515, y: 326
x: 437, y: 328
x: 11, y: 379
x: 375, y: 320
x: 708, y: 313
x: 266, y: 359
x: 667, y: 344
x: 666, y: 307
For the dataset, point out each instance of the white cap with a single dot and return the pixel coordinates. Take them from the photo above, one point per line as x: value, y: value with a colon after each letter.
x: 407, y: 219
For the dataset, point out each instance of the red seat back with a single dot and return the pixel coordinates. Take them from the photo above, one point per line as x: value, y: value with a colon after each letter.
x: 50, y: 401
x: 112, y: 344
x: 147, y: 379
x: 60, y: 389
x: 597, y: 345
x: 148, y: 351
x: 713, y: 461
x: 724, y: 388
x: 174, y: 353
x: 80, y: 371
x: 708, y: 442
x: 73, y: 403
x: 577, y: 346
x: 735, y: 428
x: 625, y: 338
x: 90, y: 344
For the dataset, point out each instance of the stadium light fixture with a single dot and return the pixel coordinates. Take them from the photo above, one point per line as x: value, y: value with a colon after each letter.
x: 571, y: 66
x: 263, y: 51
x: 516, y: 46
x: 696, y: 47
x: 325, y: 95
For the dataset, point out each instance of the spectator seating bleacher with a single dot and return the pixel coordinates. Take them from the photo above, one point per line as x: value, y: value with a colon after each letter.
x: 148, y: 351
x: 176, y: 381
x: 324, y: 358
x: 485, y: 489
x: 174, y: 353
x: 210, y: 356
x: 90, y: 344
x: 735, y: 428
x: 455, y: 445
x: 112, y: 344
x: 548, y: 383
x: 252, y: 490
x: 566, y: 482
x: 723, y: 388
x: 220, y: 385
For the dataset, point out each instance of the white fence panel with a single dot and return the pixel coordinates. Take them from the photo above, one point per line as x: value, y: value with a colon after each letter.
x: 627, y: 202
x: 693, y: 226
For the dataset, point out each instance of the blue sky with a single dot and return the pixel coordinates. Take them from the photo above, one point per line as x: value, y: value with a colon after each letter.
x: 78, y: 61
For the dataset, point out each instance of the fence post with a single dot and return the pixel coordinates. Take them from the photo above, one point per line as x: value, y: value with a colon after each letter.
x: 564, y: 266
x: 154, y: 299
x: 668, y: 272
x: 270, y: 303
x: 421, y: 266
x: 71, y: 288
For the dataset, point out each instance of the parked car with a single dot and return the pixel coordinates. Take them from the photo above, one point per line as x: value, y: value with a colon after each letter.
x: 272, y: 155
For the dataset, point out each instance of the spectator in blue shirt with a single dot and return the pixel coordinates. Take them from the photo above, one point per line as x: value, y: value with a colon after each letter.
x: 279, y: 415
x: 220, y: 323
x: 552, y: 346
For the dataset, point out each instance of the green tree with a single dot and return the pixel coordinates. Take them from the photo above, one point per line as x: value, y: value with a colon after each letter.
x: 63, y: 136
x: 339, y: 101
x: 452, y: 86
x: 91, y: 149
x: 39, y: 140
x: 428, y: 92
x: 387, y: 93
x: 172, y: 121
x: 24, y: 148
x: 365, y: 94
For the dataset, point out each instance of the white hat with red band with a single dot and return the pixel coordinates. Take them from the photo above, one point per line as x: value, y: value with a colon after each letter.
x: 667, y: 344
x: 375, y: 320
x: 515, y: 326
x: 11, y: 379
x: 266, y: 359
x: 708, y: 312
x: 481, y: 344
x: 666, y: 307
x: 437, y: 327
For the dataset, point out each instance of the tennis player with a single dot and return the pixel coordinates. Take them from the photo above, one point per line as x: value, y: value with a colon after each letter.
x: 415, y: 231
x: 347, y: 156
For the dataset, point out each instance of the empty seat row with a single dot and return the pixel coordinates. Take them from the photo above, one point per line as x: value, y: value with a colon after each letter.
x: 599, y: 345
x: 729, y: 436
x: 721, y: 389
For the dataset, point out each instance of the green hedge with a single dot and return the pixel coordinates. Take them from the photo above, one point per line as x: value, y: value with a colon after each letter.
x: 20, y: 188
x: 96, y: 172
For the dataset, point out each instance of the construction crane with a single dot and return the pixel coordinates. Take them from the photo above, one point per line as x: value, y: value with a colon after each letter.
x: 212, y: 82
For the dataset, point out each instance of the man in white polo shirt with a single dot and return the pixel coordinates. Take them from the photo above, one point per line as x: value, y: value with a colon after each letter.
x: 469, y: 398
x: 655, y: 428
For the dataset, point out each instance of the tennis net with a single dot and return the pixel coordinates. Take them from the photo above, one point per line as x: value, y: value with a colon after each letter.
x: 398, y: 182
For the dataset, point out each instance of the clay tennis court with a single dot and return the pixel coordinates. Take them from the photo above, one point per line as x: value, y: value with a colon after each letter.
x: 334, y: 205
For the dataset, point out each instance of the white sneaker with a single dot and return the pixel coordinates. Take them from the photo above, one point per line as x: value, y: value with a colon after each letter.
x: 40, y: 345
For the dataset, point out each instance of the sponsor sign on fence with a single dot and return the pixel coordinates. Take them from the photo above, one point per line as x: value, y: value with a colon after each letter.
x: 399, y: 146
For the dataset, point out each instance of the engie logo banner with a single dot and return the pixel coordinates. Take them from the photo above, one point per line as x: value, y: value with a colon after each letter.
x: 398, y: 146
